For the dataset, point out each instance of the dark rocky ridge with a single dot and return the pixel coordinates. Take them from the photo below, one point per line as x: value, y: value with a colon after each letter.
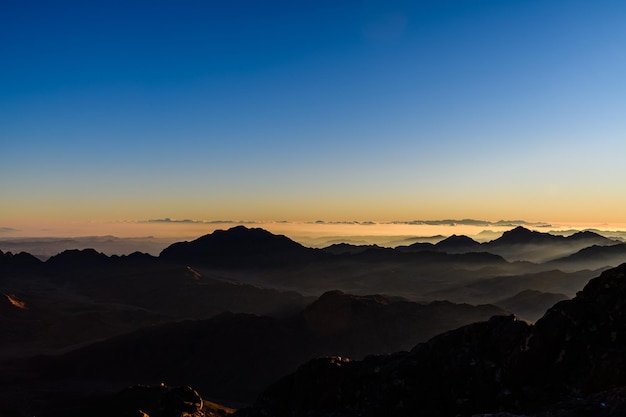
x: 571, y: 363
x: 22, y: 258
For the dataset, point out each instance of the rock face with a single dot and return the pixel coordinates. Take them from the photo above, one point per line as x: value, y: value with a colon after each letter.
x: 579, y: 346
x: 571, y: 363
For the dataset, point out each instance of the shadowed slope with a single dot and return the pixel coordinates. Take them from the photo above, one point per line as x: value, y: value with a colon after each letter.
x: 233, y: 356
x: 571, y: 363
x: 80, y: 296
x: 531, y: 304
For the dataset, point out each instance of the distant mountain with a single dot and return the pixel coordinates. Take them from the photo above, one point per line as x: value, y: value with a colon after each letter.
x: 428, y: 257
x: 76, y: 258
x: 523, y: 244
x: 417, y: 247
x: 522, y: 236
x: 45, y: 247
x: 347, y: 248
x: 518, y: 244
x: 570, y: 363
x: 530, y: 304
x: 233, y: 356
x: 592, y: 237
x: 458, y: 244
x: 240, y: 247
x: 592, y: 257
x: 498, y: 288
x: 19, y: 259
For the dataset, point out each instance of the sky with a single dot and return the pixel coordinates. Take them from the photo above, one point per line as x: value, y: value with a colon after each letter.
x: 127, y: 111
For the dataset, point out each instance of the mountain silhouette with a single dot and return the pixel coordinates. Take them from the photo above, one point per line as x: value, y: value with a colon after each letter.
x: 591, y: 237
x: 521, y: 235
x: 458, y: 244
x: 240, y: 247
x: 417, y: 247
x: 592, y: 257
x: 74, y: 258
x: 524, y: 244
x: 22, y: 259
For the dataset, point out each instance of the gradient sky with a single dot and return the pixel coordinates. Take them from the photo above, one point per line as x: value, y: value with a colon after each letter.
x: 127, y: 110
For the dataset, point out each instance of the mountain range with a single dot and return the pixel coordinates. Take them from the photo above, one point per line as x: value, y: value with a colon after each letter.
x: 520, y: 244
x: 233, y: 311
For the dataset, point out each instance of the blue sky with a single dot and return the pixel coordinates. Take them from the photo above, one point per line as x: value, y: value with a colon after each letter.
x: 305, y: 110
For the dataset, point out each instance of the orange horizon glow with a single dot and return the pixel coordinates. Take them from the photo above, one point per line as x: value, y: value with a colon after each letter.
x: 312, y: 229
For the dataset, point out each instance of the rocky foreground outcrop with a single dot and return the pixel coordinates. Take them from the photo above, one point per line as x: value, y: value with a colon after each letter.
x: 572, y: 362
x: 151, y: 401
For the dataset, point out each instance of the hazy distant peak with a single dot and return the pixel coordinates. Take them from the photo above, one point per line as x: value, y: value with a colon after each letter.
x: 588, y: 235
x: 593, y: 257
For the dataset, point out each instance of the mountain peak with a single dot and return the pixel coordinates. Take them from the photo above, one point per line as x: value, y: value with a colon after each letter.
x: 522, y: 235
x: 19, y: 259
x: 241, y: 247
x: 457, y: 243
x: 593, y: 237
